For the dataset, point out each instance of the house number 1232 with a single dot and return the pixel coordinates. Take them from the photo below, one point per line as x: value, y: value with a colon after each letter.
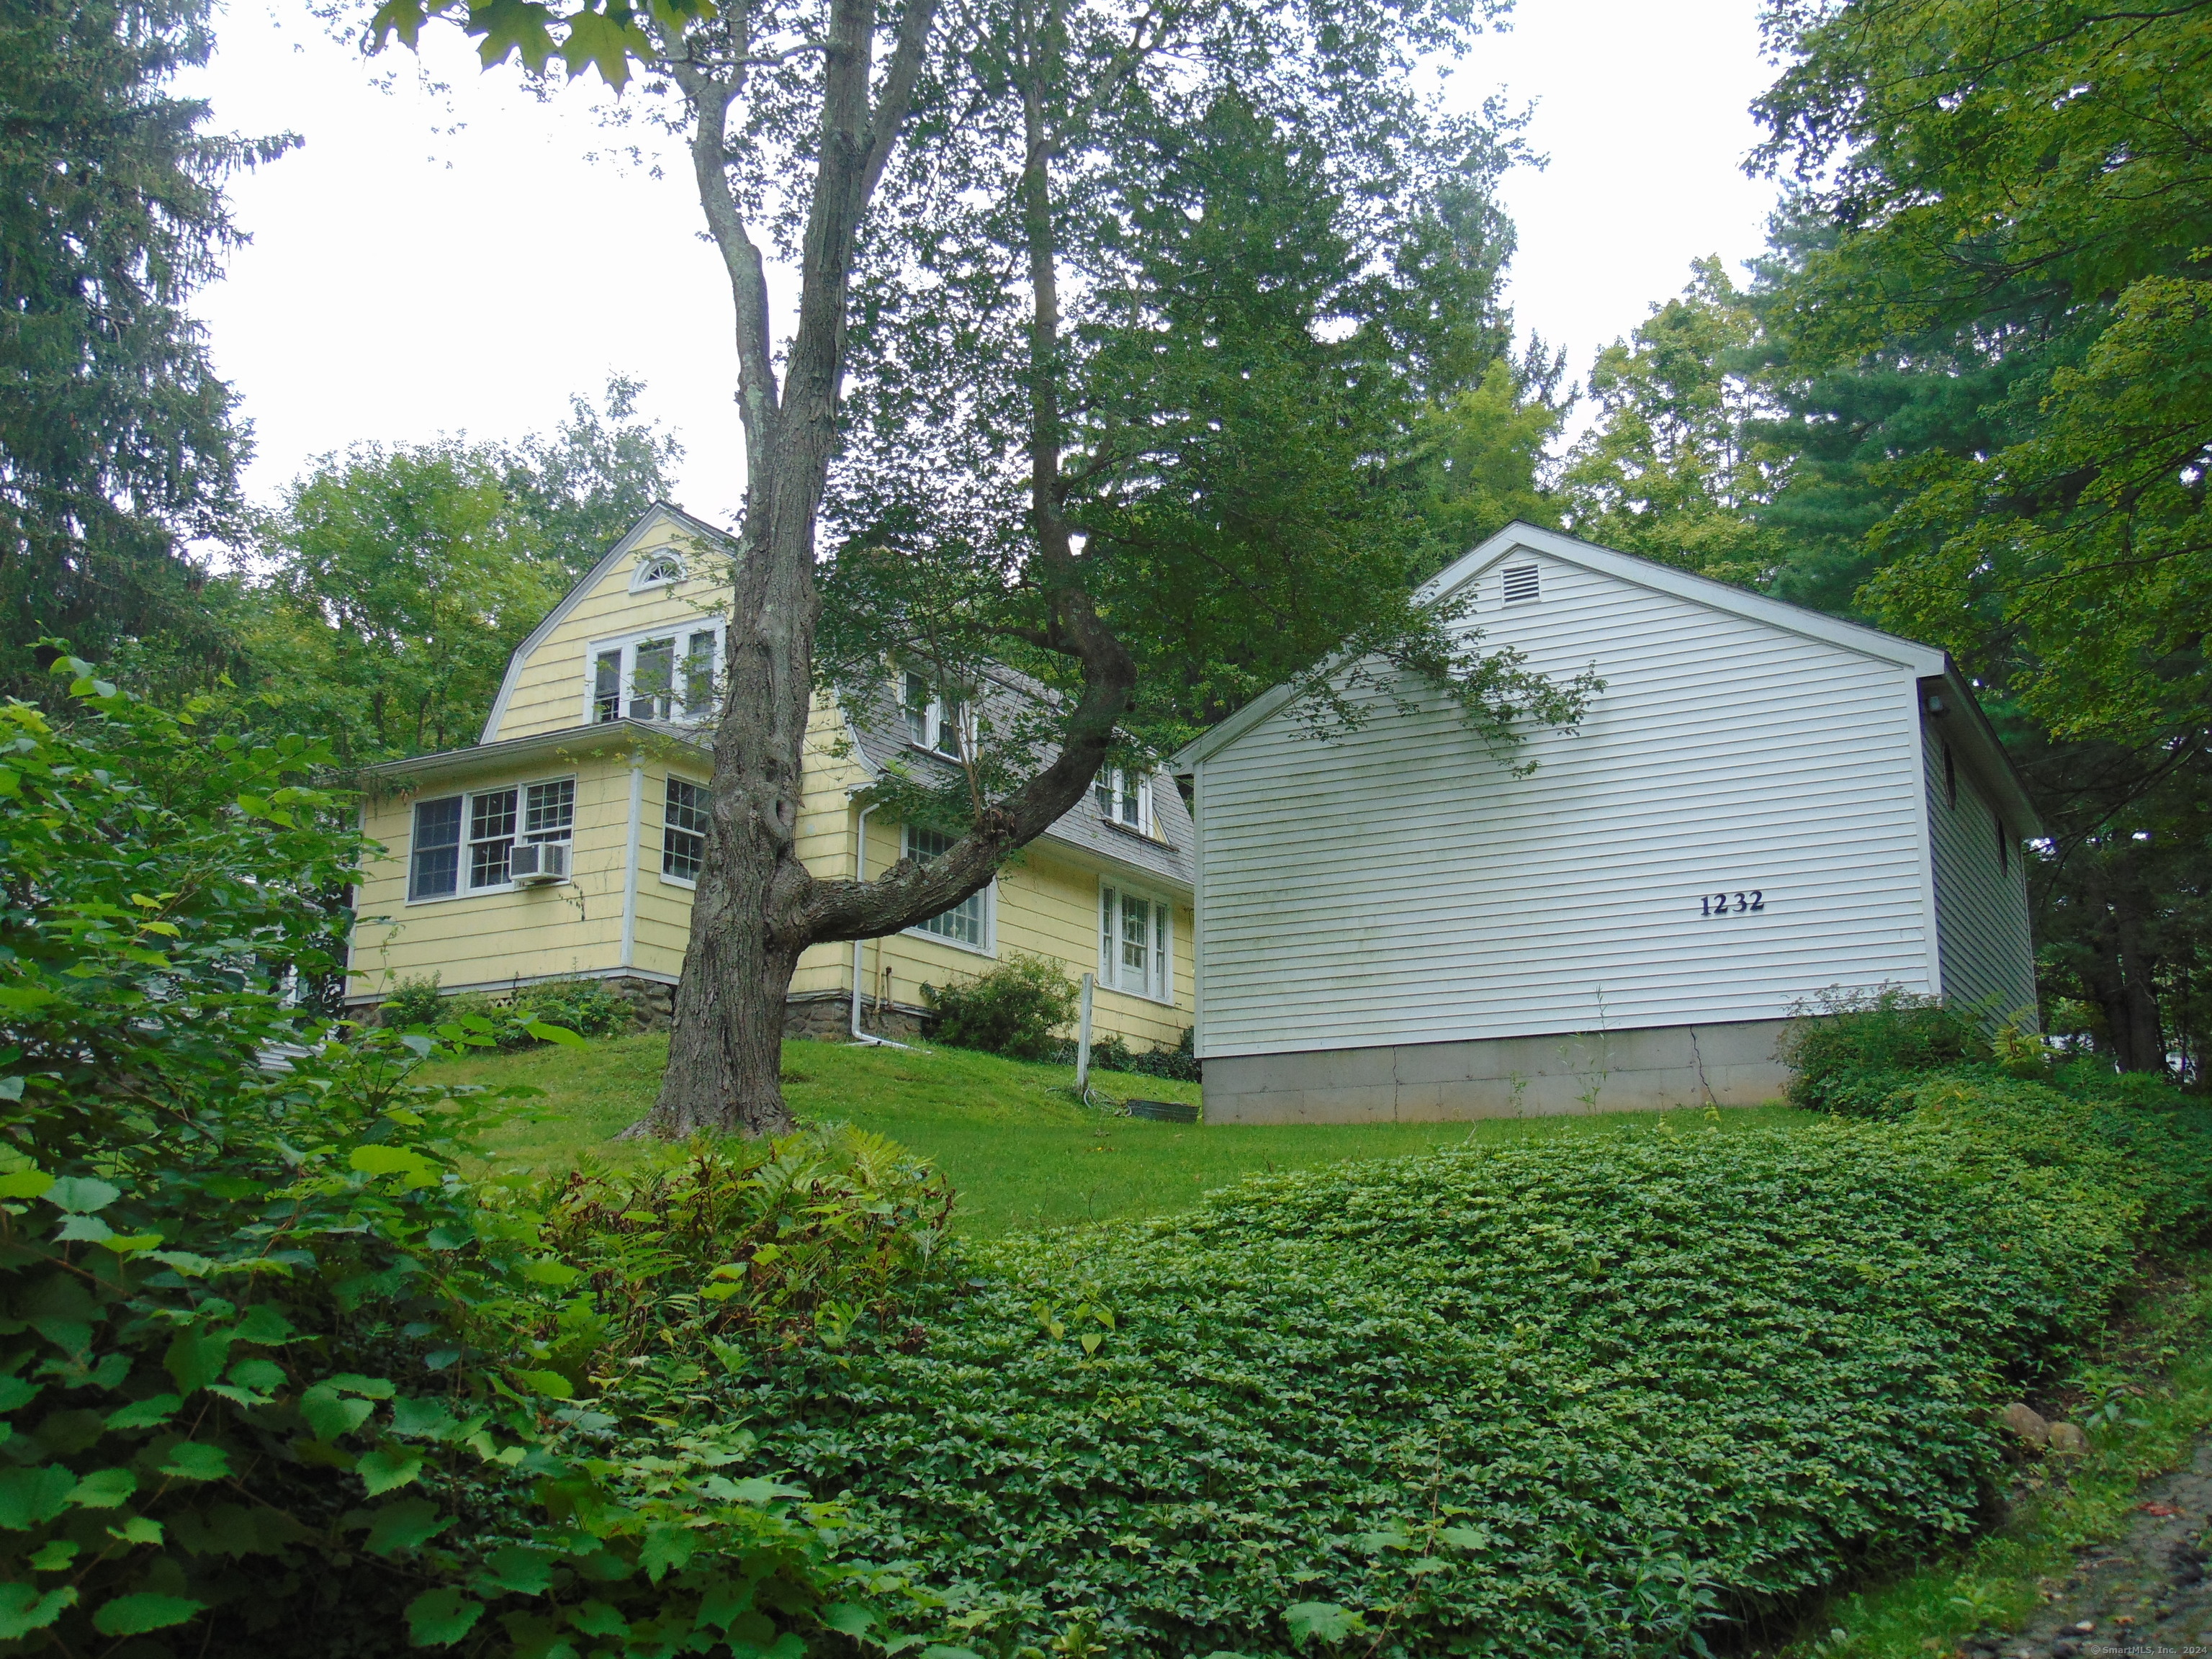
x: 1731, y: 904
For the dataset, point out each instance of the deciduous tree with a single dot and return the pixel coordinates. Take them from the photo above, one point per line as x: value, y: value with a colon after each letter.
x: 972, y: 208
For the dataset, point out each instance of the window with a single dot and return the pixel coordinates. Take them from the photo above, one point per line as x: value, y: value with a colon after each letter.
x: 656, y: 569
x: 652, y: 680
x: 1135, y: 943
x: 487, y: 825
x: 549, y: 811
x: 933, y: 721
x: 965, y: 923
x: 1124, y: 799
x: 606, y: 686
x: 1950, y: 778
x: 491, y: 836
x: 684, y: 830
x: 433, y: 865
x: 701, y: 665
x: 1523, y: 583
x: 645, y: 679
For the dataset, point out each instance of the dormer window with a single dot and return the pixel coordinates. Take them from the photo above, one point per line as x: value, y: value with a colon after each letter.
x: 1124, y: 798
x: 667, y: 676
x: 934, y: 720
x: 661, y: 568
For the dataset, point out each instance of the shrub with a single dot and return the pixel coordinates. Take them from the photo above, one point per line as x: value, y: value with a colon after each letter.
x: 590, y: 1007
x: 275, y: 1375
x: 1852, y: 1051
x: 414, y: 1002
x: 1014, y: 1010
x: 1573, y: 1398
x: 1114, y: 1054
x: 793, y: 1238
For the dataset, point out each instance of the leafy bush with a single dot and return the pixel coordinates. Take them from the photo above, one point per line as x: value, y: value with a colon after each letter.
x: 1852, y: 1051
x: 1014, y: 1010
x: 590, y: 1007
x: 414, y: 1002
x: 794, y: 1238
x: 274, y: 1375
x: 1571, y: 1398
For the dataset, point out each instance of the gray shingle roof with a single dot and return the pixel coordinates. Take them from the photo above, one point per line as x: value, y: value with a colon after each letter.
x: 879, y: 732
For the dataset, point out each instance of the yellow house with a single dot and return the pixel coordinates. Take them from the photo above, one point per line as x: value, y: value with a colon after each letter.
x: 565, y: 844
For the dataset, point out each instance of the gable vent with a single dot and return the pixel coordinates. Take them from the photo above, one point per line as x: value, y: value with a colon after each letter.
x: 1521, y: 583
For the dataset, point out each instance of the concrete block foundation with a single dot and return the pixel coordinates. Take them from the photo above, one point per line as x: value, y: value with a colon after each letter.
x: 1730, y: 1064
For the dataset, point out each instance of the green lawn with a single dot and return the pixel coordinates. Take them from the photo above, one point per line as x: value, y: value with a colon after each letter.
x: 1023, y: 1153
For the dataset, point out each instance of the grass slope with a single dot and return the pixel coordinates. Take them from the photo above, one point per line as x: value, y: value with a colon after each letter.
x: 1023, y: 1152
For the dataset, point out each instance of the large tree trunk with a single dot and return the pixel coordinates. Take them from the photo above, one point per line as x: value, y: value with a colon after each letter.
x: 757, y: 906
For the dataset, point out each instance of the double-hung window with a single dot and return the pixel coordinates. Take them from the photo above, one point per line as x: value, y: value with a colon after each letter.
x: 491, y: 836
x: 465, y: 843
x: 657, y: 677
x: 549, y: 811
x: 684, y: 821
x: 1136, y: 943
x: 1124, y: 798
x: 936, y: 720
x: 966, y: 923
x: 434, y: 863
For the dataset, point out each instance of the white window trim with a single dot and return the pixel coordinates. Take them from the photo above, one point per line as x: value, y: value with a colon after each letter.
x: 988, y: 893
x: 640, y: 583
x: 1110, y: 963
x: 688, y: 884
x: 461, y: 887
x: 1115, y: 778
x: 933, y: 720
x: 628, y: 643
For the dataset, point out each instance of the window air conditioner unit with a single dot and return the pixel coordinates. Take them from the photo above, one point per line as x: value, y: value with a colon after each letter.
x: 536, y: 863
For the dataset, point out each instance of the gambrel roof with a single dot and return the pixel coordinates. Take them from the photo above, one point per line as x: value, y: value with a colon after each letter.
x: 872, y: 716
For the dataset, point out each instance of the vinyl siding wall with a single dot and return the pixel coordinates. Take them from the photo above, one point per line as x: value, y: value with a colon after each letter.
x: 1981, y: 905
x: 1397, y: 885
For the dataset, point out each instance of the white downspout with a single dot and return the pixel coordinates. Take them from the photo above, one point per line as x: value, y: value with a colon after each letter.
x: 629, y: 863
x: 860, y: 873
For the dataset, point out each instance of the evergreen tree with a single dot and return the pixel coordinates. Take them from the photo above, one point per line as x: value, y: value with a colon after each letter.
x: 1993, y: 331
x: 119, y: 445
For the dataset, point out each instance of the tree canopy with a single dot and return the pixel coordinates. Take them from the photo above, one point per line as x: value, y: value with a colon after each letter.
x: 394, y: 582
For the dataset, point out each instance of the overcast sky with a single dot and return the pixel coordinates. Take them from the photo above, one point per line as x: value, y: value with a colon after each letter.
x: 406, y: 278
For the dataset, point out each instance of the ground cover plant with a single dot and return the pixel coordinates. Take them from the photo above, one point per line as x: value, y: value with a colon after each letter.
x: 1588, y: 1397
x: 1019, y: 1147
x: 2147, y: 1394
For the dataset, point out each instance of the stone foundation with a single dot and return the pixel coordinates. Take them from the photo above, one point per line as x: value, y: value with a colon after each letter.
x: 653, y: 1004
x: 825, y: 1014
x: 1578, y: 1071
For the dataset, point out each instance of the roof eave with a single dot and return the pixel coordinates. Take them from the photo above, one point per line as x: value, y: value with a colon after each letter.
x: 1985, y: 750
x: 626, y: 734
